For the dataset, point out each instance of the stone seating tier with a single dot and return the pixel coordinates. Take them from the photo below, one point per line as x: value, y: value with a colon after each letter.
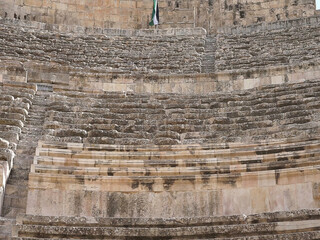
x: 124, y: 118
x: 125, y: 52
x: 185, y: 161
x: 165, y: 181
x: 112, y: 53
x: 290, y: 225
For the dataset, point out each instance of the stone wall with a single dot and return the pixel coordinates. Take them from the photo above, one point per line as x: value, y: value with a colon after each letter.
x: 88, y: 13
x: 135, y: 14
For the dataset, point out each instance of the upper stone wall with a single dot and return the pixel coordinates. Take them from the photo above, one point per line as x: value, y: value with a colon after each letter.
x: 135, y: 14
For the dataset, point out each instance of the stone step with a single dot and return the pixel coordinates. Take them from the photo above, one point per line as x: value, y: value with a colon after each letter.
x: 296, y: 155
x: 239, y: 146
x: 255, y: 98
x: 16, y: 192
x: 13, y: 212
x: 18, y: 202
x: 6, y: 228
x: 242, y: 154
x: 256, y: 226
x: 19, y: 174
x: 169, y: 168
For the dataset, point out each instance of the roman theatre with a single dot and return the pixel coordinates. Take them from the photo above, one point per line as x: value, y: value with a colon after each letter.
x: 206, y: 126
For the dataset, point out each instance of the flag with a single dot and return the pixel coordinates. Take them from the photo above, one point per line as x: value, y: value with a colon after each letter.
x: 155, y: 14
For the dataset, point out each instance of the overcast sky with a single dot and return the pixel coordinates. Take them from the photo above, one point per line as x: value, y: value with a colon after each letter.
x: 318, y: 4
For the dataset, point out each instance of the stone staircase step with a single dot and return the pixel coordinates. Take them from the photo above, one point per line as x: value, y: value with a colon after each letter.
x: 16, y: 191
x: 278, y: 225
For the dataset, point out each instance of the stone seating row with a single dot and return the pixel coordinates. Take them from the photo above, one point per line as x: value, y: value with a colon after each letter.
x: 230, y: 178
x: 115, y: 54
x: 301, y: 224
x: 186, y: 161
x: 15, y: 101
x: 282, y: 95
x: 168, y: 119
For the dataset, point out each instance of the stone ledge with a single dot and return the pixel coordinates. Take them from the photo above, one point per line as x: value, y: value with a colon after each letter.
x: 280, y: 216
x: 299, y: 222
x: 107, y: 31
x: 126, y: 148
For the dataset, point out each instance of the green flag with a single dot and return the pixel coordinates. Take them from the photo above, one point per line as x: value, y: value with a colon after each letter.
x: 155, y: 14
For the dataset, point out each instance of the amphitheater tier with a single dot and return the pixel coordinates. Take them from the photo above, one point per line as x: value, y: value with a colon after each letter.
x: 186, y: 133
x: 277, y: 225
x: 161, y: 177
x: 187, y: 61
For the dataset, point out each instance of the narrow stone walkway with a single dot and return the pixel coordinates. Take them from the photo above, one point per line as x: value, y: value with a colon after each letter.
x: 16, y: 189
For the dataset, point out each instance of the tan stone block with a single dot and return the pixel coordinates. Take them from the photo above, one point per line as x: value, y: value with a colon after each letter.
x: 251, y: 83
x: 277, y: 79
x: 289, y: 194
x: 236, y: 201
x: 316, y: 190
x: 20, y: 79
x: 127, y: 4
x: 296, y: 77
x: 123, y: 80
x: 312, y: 176
x: 249, y: 180
x: 304, y: 196
x: 81, y: 8
x: 259, y: 200
x: 276, y: 198
x: 266, y: 179
x: 238, y: 84
x: 47, y: 3
x: 33, y: 3
x: 33, y: 202
x: 282, y: 178
x: 311, y: 75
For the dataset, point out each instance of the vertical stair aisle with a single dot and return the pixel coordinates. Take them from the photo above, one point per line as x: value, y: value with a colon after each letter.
x: 15, y: 199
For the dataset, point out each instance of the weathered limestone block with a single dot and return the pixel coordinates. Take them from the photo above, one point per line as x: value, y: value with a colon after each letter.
x: 10, y: 136
x: 4, y: 143
x: 9, y: 115
x: 165, y: 141
x: 9, y: 128
x: 8, y: 98
x: 11, y: 122
x: 70, y: 133
x: 103, y: 133
x: 19, y: 110
x: 7, y: 155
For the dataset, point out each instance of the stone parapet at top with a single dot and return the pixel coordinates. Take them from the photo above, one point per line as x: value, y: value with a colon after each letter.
x: 106, y: 31
x: 261, y: 27
x: 239, y: 30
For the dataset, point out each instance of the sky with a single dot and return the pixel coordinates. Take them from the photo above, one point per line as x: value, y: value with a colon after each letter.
x: 318, y: 4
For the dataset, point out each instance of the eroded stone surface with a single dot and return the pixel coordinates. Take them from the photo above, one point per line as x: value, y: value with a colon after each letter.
x: 233, y: 227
